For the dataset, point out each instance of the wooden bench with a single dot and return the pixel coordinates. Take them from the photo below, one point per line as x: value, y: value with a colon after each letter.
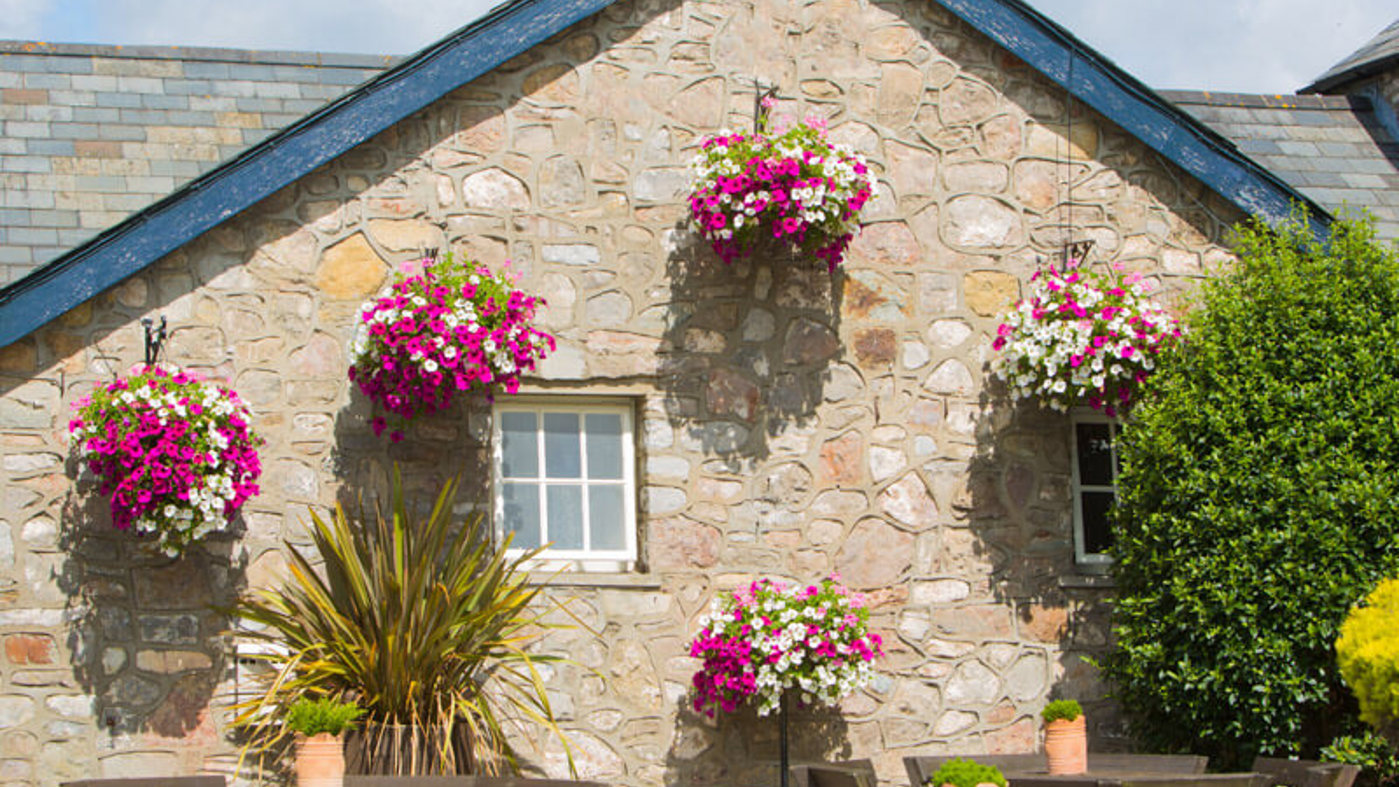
x: 1306, y: 773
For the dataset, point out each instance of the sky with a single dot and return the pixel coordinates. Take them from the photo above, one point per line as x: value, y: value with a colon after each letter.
x: 1254, y: 46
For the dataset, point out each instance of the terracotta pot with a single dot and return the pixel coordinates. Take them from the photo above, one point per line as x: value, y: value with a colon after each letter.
x: 320, y: 760
x: 1066, y: 746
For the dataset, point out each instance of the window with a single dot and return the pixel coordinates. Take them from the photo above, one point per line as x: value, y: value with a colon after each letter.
x: 1094, y: 488
x: 565, y: 479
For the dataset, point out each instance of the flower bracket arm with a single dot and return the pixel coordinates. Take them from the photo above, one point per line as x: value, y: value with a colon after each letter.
x: 155, y: 338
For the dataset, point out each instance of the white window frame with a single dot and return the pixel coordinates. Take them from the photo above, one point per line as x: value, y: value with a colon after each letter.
x: 618, y: 560
x: 1095, y: 560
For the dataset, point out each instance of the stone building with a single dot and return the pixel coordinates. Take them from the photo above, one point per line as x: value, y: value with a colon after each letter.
x: 782, y: 420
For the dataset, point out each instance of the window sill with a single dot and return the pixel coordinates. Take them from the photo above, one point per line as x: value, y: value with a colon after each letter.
x: 1087, y: 582
x: 597, y: 579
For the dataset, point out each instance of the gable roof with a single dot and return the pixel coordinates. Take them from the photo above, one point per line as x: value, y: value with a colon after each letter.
x: 1334, y: 149
x: 510, y: 30
x: 282, y: 159
x: 95, y: 133
x: 1378, y: 54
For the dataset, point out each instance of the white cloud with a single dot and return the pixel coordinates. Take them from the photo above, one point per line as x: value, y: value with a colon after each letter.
x: 23, y: 19
x: 370, y: 26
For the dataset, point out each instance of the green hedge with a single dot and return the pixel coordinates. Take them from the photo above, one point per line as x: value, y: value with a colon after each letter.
x: 1259, y: 498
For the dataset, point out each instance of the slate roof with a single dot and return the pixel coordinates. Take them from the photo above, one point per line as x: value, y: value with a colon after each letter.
x: 93, y: 133
x: 1334, y: 149
x: 1378, y: 54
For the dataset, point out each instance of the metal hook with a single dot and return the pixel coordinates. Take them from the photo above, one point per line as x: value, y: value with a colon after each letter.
x: 155, y: 338
x: 760, y: 112
x: 1077, y: 250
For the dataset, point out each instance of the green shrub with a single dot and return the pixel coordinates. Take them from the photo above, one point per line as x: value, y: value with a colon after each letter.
x: 1068, y: 710
x: 422, y: 622
x: 1379, y: 766
x: 313, y: 717
x: 966, y: 773
x: 1368, y: 654
x: 1259, y: 498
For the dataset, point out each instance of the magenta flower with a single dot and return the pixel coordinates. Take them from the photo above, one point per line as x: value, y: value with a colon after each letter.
x: 795, y: 187
x: 444, y: 329
x: 766, y: 639
x: 176, y: 457
x: 1082, y: 338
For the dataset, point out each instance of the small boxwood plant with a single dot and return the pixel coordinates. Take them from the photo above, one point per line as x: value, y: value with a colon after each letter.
x: 966, y: 773
x: 313, y: 717
x: 1066, y: 710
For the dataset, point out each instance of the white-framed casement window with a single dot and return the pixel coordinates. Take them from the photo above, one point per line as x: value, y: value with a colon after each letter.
x: 565, y: 479
x: 1094, y: 488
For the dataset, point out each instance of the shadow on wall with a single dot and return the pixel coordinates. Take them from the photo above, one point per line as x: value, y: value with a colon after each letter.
x: 147, y: 643
x: 742, y: 749
x: 750, y: 349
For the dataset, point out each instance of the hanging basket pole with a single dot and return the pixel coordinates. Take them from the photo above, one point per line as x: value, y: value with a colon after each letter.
x: 782, y: 738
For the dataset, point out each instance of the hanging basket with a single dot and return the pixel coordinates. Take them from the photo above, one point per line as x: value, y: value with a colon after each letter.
x: 441, y: 332
x: 175, y: 456
x: 1081, y: 337
x: 795, y: 190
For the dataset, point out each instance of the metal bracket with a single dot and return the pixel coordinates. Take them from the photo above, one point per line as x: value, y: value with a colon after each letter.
x: 1077, y: 250
x: 155, y: 338
x: 760, y: 112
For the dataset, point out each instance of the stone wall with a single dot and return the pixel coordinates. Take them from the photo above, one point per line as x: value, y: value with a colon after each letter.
x: 792, y: 422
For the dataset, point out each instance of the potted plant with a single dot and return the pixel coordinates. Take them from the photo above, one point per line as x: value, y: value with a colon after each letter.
x: 959, y: 772
x: 1082, y: 338
x: 319, y: 726
x: 1065, y: 737
x: 768, y: 640
x: 794, y: 188
x: 445, y: 328
x: 176, y: 456
x: 424, y: 622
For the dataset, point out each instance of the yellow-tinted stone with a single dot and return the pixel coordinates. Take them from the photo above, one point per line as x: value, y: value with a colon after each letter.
x: 18, y: 357
x: 406, y: 234
x: 78, y: 315
x: 350, y: 269
x: 1050, y: 141
x: 557, y: 83
x: 988, y: 292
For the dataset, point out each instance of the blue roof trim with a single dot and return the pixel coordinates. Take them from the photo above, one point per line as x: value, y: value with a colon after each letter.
x: 1102, y: 85
x: 282, y: 159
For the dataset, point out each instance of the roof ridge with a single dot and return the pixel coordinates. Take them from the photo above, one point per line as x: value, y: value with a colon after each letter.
x: 276, y: 57
x: 1266, y: 100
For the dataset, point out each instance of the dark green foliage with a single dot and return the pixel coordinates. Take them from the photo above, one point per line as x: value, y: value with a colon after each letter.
x: 966, y: 773
x: 1379, y: 765
x: 1259, y: 499
x: 313, y: 717
x: 1061, y: 709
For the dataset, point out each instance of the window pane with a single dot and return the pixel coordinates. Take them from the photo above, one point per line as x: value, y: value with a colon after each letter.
x: 1095, y: 454
x: 566, y: 517
x: 604, y: 445
x: 519, y: 445
x: 522, y: 514
x: 563, y: 456
x: 605, y: 517
x: 1097, y: 526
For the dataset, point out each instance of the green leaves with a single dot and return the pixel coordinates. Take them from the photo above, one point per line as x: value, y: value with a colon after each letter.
x: 420, y: 622
x: 1257, y: 499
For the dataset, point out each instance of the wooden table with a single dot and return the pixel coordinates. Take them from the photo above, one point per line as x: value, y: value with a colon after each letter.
x: 1124, y: 778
